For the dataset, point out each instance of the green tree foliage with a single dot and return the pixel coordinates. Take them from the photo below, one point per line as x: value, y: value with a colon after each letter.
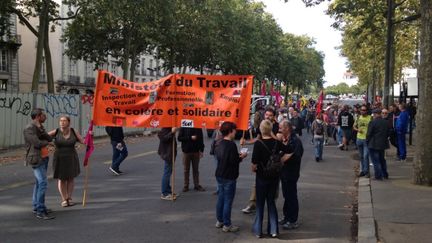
x: 362, y: 23
x: 344, y: 88
x: 122, y: 29
x: 227, y: 36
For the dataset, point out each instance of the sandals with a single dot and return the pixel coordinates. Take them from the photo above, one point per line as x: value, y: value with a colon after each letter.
x: 67, y: 203
x: 70, y: 203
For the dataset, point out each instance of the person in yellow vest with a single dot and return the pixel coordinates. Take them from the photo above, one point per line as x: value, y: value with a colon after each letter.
x: 361, y: 126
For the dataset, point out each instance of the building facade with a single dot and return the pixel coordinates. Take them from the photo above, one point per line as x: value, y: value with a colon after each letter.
x: 9, y: 71
x: 75, y: 76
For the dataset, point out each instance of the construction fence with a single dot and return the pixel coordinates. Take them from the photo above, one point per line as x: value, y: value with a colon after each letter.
x: 15, y: 109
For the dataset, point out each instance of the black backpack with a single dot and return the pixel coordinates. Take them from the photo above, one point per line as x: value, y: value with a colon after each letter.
x: 273, y: 167
x: 319, y: 128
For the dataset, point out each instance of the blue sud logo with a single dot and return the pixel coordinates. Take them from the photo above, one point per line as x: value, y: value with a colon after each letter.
x: 187, y: 123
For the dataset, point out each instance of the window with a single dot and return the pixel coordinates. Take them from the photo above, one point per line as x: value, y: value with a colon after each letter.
x: 89, y: 69
x: 3, y: 84
x: 114, y: 67
x: 137, y: 69
x: 72, y: 68
x: 3, y: 60
x: 143, y: 67
x: 151, y: 67
x: 158, y: 73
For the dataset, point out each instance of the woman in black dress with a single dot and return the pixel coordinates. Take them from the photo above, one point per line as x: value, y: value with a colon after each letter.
x: 65, y: 161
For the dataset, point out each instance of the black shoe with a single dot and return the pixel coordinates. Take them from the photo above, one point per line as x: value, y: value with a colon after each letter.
x: 283, y: 221
x: 115, y: 172
x: 48, y: 210
x: 44, y: 216
x: 361, y: 174
x: 199, y: 188
x: 316, y: 159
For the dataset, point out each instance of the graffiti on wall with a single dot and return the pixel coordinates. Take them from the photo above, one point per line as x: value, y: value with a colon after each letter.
x: 16, y: 104
x: 87, y: 98
x: 56, y: 105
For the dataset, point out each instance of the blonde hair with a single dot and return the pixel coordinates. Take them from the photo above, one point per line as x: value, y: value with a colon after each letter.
x: 266, y: 128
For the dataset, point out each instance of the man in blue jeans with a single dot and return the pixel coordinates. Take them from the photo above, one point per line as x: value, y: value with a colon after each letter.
x: 361, y: 126
x: 36, y: 141
x: 167, y: 151
x: 226, y: 174
x: 120, y: 151
x: 401, y: 130
x: 377, y: 142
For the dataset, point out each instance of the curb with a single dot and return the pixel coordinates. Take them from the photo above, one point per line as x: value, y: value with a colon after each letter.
x: 366, y: 220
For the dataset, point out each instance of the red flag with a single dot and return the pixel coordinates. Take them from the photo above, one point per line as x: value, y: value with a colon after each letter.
x: 263, y: 88
x: 89, y: 142
x: 320, y: 102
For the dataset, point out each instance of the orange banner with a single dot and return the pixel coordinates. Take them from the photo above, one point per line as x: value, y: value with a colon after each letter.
x: 178, y: 100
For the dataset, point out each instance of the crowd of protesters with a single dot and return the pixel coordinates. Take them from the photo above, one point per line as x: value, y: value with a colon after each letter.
x: 369, y: 128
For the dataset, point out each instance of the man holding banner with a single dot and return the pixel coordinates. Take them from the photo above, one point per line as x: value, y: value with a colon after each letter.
x: 193, y: 147
x: 120, y: 151
x: 177, y: 100
x: 168, y: 152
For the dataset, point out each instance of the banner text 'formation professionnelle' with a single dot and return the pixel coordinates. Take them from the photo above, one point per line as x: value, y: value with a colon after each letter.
x: 177, y: 100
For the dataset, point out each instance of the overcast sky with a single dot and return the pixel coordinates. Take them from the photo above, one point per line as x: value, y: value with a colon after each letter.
x: 294, y: 17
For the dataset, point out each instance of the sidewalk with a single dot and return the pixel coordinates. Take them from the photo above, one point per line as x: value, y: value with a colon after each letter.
x: 401, y: 210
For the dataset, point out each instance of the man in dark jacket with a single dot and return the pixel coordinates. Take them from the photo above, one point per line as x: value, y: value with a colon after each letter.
x: 120, y: 151
x: 297, y: 123
x: 293, y: 148
x: 36, y: 141
x: 346, y: 122
x: 192, y: 144
x: 377, y: 141
x: 167, y: 151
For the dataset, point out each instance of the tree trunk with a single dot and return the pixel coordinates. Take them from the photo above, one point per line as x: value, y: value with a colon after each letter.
x: 423, y: 156
x: 126, y: 55
x: 48, y: 61
x: 286, y: 93
x: 40, y: 47
x: 133, y: 65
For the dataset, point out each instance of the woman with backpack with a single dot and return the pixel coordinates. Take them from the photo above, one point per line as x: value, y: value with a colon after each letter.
x: 318, y: 130
x: 266, y: 181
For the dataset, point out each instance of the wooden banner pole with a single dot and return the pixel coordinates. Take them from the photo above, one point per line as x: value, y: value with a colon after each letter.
x: 173, y: 170
x: 85, y: 185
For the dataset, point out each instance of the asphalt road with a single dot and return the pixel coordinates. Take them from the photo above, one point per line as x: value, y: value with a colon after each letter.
x: 128, y: 208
